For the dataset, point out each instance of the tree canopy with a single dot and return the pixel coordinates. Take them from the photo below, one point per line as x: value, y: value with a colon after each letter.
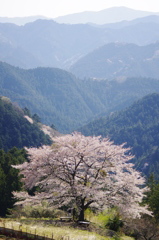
x: 81, y: 172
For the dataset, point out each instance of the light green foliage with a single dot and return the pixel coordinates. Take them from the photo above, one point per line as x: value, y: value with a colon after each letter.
x: 102, y: 218
x: 115, y: 222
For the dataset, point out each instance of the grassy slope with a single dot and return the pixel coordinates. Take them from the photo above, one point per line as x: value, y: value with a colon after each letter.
x: 56, y: 232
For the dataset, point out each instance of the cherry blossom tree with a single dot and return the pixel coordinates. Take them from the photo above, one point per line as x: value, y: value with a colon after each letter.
x: 81, y: 172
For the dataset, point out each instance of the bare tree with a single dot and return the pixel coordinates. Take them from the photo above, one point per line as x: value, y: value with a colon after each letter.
x: 82, y: 171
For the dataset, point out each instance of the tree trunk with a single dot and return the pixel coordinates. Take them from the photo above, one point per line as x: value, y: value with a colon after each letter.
x: 81, y: 215
x: 82, y: 208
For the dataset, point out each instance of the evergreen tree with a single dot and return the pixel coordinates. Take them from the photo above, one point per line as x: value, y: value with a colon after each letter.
x: 9, y: 177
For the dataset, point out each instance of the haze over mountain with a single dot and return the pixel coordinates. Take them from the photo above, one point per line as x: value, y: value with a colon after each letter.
x: 105, y: 16
x: 49, y: 44
x: 119, y: 60
x: 109, y: 15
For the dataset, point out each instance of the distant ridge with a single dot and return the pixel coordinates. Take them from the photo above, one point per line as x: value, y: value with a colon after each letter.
x: 21, y: 20
x: 109, y: 15
x: 105, y: 16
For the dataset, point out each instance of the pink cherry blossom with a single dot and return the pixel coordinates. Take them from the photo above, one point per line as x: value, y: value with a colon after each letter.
x: 80, y: 172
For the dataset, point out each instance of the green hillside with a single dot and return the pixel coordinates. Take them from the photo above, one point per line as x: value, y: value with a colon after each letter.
x: 59, y: 98
x: 54, y: 94
x: 138, y: 126
x: 16, y: 130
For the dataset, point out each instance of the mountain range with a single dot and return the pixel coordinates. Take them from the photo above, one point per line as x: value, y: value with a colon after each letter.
x: 47, y: 43
x: 109, y: 15
x: 60, y: 98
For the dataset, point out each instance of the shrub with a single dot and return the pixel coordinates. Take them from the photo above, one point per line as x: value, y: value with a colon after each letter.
x: 114, y: 223
x: 37, y: 211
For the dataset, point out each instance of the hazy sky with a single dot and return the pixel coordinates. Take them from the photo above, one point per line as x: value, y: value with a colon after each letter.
x: 54, y: 8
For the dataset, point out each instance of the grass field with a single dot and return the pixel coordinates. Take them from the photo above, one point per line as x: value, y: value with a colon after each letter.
x: 57, y: 232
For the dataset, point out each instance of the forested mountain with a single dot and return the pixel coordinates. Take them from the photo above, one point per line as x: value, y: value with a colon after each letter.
x: 46, y: 43
x: 55, y: 95
x: 138, y: 126
x: 119, y: 60
x: 68, y: 103
x: 16, y: 130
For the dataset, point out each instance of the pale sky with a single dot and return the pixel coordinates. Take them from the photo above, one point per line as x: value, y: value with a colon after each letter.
x: 55, y: 8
